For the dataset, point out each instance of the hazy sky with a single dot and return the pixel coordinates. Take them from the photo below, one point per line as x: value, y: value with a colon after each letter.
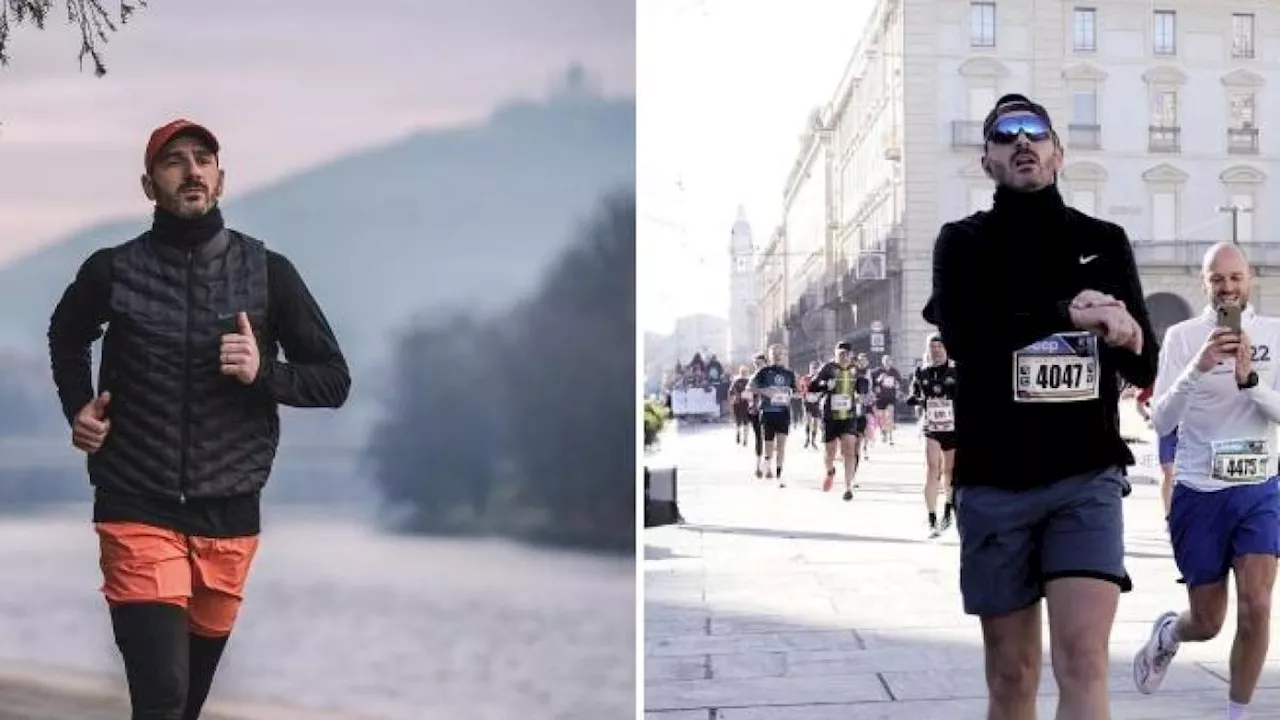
x: 725, y: 90
x: 284, y: 83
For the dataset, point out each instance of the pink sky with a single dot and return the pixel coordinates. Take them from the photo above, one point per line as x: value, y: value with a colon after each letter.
x: 285, y: 84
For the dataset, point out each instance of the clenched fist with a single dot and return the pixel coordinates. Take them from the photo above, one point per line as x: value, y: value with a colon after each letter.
x: 239, y: 352
x: 90, y: 427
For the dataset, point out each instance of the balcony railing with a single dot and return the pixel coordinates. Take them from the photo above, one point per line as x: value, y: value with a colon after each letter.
x: 1167, y: 139
x: 1084, y: 137
x: 966, y: 133
x: 1242, y: 141
x: 1190, y: 253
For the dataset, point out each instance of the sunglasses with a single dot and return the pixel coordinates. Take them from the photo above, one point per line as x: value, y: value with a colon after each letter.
x: 1007, y: 129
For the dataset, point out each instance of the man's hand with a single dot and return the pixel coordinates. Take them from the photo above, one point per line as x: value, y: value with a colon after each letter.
x: 1092, y: 298
x: 240, y: 352
x: 1112, y: 323
x: 1244, y: 358
x: 90, y: 427
x: 1222, y: 344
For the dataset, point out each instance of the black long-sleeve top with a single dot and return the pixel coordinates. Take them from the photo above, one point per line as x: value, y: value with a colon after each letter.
x: 1003, y: 280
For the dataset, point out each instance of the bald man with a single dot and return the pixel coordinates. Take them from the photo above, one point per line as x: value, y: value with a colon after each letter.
x: 1217, y: 386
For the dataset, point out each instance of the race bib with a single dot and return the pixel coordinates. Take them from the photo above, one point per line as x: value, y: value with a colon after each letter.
x: 1240, y: 461
x: 841, y: 403
x: 888, y: 382
x: 939, y: 416
x: 780, y: 395
x: 1060, y: 368
x: 812, y: 398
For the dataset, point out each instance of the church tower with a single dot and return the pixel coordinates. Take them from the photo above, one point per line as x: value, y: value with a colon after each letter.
x: 743, y: 309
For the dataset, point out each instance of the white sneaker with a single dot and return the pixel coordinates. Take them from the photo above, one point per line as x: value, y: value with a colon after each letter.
x: 1153, y: 660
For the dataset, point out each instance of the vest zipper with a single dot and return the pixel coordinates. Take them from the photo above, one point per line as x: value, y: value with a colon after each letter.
x: 186, y: 380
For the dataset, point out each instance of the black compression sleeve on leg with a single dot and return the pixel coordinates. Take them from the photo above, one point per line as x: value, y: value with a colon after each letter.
x: 152, y: 638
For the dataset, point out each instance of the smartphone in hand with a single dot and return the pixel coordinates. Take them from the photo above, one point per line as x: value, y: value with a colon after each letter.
x: 1229, y: 317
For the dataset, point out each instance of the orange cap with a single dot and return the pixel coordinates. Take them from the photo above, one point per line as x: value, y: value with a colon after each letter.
x: 163, y: 134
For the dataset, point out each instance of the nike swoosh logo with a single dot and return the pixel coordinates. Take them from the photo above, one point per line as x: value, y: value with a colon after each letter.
x: 1085, y: 259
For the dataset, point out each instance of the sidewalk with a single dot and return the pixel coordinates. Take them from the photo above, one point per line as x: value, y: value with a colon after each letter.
x: 37, y: 693
x: 789, y: 604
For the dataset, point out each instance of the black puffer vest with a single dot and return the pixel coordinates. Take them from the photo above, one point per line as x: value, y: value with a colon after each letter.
x: 179, y: 428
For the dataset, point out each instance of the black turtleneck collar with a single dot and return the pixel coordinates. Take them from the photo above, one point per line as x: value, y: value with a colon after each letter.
x: 1044, y: 205
x: 186, y: 233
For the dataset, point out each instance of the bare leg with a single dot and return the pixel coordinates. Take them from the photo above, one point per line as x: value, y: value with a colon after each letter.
x: 849, y: 454
x: 1081, y: 613
x: 932, y: 477
x: 781, y: 441
x: 1255, y: 578
x: 1012, y: 646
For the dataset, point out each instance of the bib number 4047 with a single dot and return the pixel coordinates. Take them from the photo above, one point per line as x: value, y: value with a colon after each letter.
x: 1058, y: 376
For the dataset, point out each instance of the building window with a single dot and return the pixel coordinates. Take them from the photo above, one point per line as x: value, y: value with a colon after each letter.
x: 1242, y: 35
x: 1242, y: 110
x: 982, y: 24
x: 1164, y: 216
x: 1164, y: 109
x: 980, y: 198
x: 1244, y: 218
x: 1084, y: 107
x: 1165, y: 31
x: 1086, y: 201
x: 1085, y: 30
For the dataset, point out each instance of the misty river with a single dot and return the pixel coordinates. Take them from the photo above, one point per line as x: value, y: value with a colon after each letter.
x: 341, y: 616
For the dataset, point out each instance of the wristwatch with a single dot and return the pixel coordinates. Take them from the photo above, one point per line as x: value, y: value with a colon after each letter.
x: 1251, y: 381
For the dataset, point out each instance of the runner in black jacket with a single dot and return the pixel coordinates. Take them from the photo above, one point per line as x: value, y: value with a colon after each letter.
x: 1040, y: 306
x: 182, y: 429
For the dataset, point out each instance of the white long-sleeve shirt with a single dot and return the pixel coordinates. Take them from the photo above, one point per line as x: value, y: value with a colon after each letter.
x: 1209, y: 408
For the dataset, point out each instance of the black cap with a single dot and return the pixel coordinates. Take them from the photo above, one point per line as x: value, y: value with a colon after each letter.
x: 1014, y: 102
x: 846, y: 346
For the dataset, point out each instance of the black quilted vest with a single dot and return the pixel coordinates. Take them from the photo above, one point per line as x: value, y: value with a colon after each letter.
x: 179, y: 428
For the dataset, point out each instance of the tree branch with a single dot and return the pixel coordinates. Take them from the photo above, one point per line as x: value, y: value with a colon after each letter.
x: 94, y: 20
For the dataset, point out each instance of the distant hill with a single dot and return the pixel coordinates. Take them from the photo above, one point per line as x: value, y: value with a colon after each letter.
x: 469, y: 216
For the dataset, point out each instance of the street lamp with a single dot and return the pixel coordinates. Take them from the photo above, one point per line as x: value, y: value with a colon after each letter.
x: 1235, y: 211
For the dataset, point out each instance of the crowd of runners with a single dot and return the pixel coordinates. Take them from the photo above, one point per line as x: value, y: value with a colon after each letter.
x: 844, y: 407
x: 1041, y: 323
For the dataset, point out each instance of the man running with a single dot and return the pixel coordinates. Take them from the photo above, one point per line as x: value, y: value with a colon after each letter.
x: 753, y: 413
x: 1217, y: 387
x: 741, y: 406
x: 843, y: 418
x: 812, y: 406
x: 1041, y: 307
x: 182, y: 430
x: 773, y: 385
x: 933, y: 388
x: 887, y: 383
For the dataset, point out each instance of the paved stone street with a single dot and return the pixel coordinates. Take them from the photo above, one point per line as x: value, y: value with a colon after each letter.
x: 790, y: 604
x: 31, y: 692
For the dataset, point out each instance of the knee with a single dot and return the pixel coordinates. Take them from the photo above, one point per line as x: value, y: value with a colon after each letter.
x: 1079, y: 661
x: 1206, y: 621
x: 1013, y: 676
x: 1254, y: 608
